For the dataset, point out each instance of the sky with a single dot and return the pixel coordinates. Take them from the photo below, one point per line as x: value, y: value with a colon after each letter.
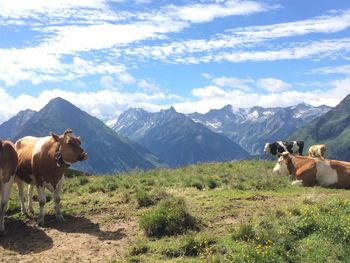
x: 108, y: 56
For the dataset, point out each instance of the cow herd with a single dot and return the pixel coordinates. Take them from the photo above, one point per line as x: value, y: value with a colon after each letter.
x: 42, y: 161
x: 309, y: 170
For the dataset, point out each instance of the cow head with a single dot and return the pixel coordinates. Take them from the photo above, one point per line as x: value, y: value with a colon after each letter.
x: 70, y: 147
x: 282, y: 164
x: 267, y: 148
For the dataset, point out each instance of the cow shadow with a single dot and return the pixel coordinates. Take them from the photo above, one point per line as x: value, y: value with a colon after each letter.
x: 80, y: 224
x: 23, y: 238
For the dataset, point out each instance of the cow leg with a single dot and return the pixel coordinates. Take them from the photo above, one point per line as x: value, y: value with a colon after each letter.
x: 20, y: 185
x: 42, y: 202
x: 57, y: 199
x: 30, y: 198
x: 5, y: 194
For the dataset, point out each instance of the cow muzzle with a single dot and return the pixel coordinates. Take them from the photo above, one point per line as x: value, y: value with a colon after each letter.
x: 83, y: 157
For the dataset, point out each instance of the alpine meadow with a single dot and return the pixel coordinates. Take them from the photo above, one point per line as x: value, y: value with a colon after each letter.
x: 175, y: 131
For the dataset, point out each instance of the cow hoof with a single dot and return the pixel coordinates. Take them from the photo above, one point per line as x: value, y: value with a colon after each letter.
x: 60, y: 218
x: 40, y: 221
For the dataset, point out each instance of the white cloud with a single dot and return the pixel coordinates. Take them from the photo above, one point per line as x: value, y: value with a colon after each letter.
x: 125, y: 78
x: 104, y: 104
x: 273, y: 85
x: 209, y: 92
x: 245, y: 39
x: 234, y: 83
x: 323, y: 24
x: 206, y: 75
x: 199, y: 13
x: 147, y: 86
x: 107, y: 82
x: 212, y: 97
x: 344, y: 69
x: 139, y: 2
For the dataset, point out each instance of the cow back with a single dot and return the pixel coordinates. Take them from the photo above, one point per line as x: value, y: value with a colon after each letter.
x: 25, y: 147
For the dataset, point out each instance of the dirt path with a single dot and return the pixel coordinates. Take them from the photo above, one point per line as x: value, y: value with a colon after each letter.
x: 78, y: 239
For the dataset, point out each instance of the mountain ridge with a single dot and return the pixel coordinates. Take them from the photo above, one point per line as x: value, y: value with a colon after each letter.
x: 176, y: 138
x: 253, y: 127
x: 332, y: 129
x: 108, y: 152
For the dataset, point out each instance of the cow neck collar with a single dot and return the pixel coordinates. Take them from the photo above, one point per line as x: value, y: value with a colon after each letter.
x: 60, y: 162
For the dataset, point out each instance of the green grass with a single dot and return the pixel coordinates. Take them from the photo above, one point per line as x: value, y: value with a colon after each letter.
x: 239, y: 211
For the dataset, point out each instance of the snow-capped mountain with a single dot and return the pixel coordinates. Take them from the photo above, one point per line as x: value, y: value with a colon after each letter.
x: 252, y: 127
x: 175, y: 138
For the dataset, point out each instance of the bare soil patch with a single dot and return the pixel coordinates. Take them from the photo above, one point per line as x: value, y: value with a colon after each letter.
x: 78, y: 239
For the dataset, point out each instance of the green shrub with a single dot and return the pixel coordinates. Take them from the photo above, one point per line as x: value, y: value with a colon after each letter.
x: 92, y: 188
x: 197, y: 184
x: 83, y: 180
x: 212, y: 183
x: 191, y: 246
x: 170, y: 217
x: 144, y: 199
x: 244, y: 232
x: 109, y: 183
x: 138, y: 248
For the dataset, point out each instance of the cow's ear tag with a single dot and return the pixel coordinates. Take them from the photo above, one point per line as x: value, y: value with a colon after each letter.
x: 55, y: 136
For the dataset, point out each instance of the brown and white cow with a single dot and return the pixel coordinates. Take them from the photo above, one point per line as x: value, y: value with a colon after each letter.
x: 8, y: 164
x: 318, y: 150
x: 42, y: 162
x: 308, y: 171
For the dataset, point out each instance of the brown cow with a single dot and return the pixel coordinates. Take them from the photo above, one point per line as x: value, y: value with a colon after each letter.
x: 318, y: 150
x: 308, y: 171
x: 8, y: 164
x: 42, y: 162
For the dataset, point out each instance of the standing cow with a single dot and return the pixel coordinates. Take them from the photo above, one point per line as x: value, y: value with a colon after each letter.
x: 42, y: 162
x: 308, y: 171
x: 8, y: 164
x: 279, y: 147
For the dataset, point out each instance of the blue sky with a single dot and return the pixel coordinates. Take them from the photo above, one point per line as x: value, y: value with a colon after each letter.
x: 107, y: 56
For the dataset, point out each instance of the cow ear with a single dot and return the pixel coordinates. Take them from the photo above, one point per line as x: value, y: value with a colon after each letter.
x: 55, y: 136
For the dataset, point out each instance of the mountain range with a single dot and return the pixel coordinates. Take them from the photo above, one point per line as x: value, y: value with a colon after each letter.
x: 176, y: 138
x: 144, y: 140
x: 252, y: 127
x: 332, y: 129
x: 108, y: 152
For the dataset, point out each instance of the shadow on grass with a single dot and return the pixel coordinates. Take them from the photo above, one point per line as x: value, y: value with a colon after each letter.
x: 23, y: 238
x: 79, y: 224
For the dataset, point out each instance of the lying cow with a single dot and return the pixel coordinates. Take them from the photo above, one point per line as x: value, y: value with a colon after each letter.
x: 318, y: 150
x: 308, y: 171
x: 42, y: 162
x: 8, y: 164
x: 279, y: 147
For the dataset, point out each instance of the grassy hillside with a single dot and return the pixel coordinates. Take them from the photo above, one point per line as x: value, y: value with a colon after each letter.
x: 218, y: 212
